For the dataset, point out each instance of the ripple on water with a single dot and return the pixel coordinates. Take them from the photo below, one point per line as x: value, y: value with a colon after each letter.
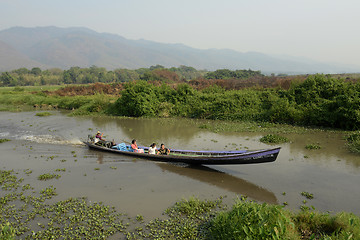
x: 50, y: 139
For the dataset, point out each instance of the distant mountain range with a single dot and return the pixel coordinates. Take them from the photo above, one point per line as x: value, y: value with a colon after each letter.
x: 53, y: 47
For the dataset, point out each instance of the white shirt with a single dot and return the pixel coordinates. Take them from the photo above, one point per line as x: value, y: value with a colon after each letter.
x: 152, y: 150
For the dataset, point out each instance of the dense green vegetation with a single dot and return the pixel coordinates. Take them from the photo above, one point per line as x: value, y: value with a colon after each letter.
x: 38, y: 100
x: 77, y: 75
x: 228, y: 74
x: 7, y: 232
x: 318, y: 101
x: 26, y: 213
x: 353, y: 142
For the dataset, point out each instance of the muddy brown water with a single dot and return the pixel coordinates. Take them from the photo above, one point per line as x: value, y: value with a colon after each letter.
x: 138, y: 186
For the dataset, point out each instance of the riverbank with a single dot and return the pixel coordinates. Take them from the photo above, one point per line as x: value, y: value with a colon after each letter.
x: 319, y: 100
x: 251, y: 106
x: 30, y: 214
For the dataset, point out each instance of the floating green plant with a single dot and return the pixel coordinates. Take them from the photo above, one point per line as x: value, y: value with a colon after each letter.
x: 304, y: 208
x: 204, y: 126
x: 7, y: 231
x: 307, y: 195
x: 48, y: 176
x: 26, y: 187
x: 273, y: 138
x: 2, y: 140
x: 313, y: 146
x: 43, y: 114
x: 26, y: 215
x: 48, y: 192
x: 27, y: 171
x: 60, y: 170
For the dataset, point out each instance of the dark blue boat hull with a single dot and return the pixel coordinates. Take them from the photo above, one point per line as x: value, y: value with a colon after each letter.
x: 203, y: 157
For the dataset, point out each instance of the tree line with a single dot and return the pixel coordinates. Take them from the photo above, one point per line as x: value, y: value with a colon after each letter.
x: 94, y: 74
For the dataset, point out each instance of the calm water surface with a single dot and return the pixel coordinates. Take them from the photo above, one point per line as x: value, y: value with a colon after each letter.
x: 138, y: 186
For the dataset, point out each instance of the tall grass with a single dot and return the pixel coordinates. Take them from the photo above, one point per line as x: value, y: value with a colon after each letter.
x: 353, y: 142
x: 251, y: 220
x: 82, y: 105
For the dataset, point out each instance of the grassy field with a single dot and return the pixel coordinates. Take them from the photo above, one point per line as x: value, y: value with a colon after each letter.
x: 30, y: 88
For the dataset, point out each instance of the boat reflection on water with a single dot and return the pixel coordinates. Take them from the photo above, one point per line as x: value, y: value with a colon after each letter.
x: 100, y: 158
x: 221, y: 180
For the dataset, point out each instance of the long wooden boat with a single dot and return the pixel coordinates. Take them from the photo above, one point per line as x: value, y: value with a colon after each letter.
x: 200, y: 157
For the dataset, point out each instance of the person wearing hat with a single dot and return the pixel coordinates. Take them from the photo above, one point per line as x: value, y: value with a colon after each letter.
x: 99, y: 136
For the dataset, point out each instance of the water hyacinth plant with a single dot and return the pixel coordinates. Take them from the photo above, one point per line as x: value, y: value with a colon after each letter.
x: 27, y: 214
x: 273, y: 138
x: 2, y: 140
x: 312, y: 146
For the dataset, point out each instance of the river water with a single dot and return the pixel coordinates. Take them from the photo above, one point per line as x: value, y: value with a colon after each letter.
x: 138, y: 186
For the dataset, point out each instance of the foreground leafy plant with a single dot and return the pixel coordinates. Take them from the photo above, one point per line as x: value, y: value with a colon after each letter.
x: 250, y: 220
x: 315, y: 225
x: 26, y: 216
x: 353, y: 142
x: 7, y: 232
x: 30, y: 217
x: 186, y: 220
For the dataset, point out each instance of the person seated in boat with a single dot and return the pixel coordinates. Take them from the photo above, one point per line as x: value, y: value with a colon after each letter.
x: 99, y: 136
x: 152, y: 149
x: 112, y: 144
x: 99, y: 140
x: 163, y: 150
x: 135, y: 148
x: 134, y: 145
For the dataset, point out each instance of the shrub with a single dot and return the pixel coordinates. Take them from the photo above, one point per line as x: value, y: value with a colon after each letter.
x: 250, y: 220
x: 353, y: 142
x: 137, y: 99
x: 315, y: 225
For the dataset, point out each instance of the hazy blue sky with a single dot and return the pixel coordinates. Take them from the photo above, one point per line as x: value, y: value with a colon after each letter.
x: 326, y: 30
